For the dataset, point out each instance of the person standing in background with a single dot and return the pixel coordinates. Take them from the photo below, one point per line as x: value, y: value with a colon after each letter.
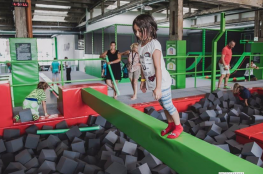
x: 55, y: 70
x: 247, y: 74
x: 68, y: 69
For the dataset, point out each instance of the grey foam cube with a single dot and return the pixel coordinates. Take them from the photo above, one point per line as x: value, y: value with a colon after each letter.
x: 162, y: 116
x: 60, y: 148
x: 90, y: 160
x: 254, y: 160
x: 244, y: 116
x: 52, y: 141
x: 18, y: 172
x: 32, y: 171
x: 252, y: 149
x: 93, y: 143
x: 14, y: 166
x: 231, y: 104
x: 248, y: 111
x: 235, y: 147
x: 14, y: 145
x: 113, y: 159
x: 210, y: 96
x: 151, y: 160
x: 223, y: 117
x: 143, y: 169
x: 214, y: 130
x: 224, y: 147
x: 207, y: 123
x: 106, y: 154
x: 234, y: 120
x: 223, y: 125
x: 218, y: 93
x: 2, y: 146
x: 23, y: 157
x: 190, y: 123
x: 90, y: 135
x: 221, y: 138
x: 32, y: 141
x: 118, y: 147
x: 233, y: 112
x: 33, y: 163
x: 147, y: 109
x: 207, y: 114
x: 78, y: 147
x: 47, y: 154
x: 195, y: 107
x: 91, y: 169
x: 11, y: 133
x: 153, y: 113
x: 92, y: 120
x: 209, y: 139
x: 201, y: 134
x: 32, y: 129
x: 73, y: 132
x: 80, y: 167
x: 257, y: 119
x: 47, y: 167
x: 7, y: 158
x: 191, y: 114
x: 111, y: 138
x: 62, y: 125
x: 161, y: 169
x: 130, y: 162
x: 26, y: 115
x: 71, y: 155
x: 66, y: 165
x: 229, y: 134
x: 129, y: 148
x: 224, y: 104
x: 217, y: 102
x: 195, y: 129
x: 116, y: 168
x: 215, y: 119
x: 202, y: 110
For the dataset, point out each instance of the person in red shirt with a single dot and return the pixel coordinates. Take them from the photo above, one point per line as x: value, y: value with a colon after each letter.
x: 224, y: 63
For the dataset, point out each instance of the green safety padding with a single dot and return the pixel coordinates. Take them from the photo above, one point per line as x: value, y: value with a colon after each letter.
x: 256, y: 48
x: 186, y: 154
x: 93, y: 67
x: 23, y: 73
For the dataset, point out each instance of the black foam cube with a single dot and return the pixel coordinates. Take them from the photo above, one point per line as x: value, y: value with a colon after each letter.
x: 32, y: 171
x: 202, y: 110
x: 73, y: 132
x: 42, y: 144
x: 217, y: 102
x: 93, y: 143
x: 106, y: 154
x: 32, y: 141
x: 18, y: 172
x: 207, y: 114
x: 78, y: 147
x: 14, y: 145
x: 81, y: 125
x: 111, y: 138
x: 143, y: 169
x: 190, y: 123
x: 32, y: 129
x: 210, y: 96
x: 47, y: 167
x: 90, y: 135
x: 26, y: 115
x: 249, y: 111
x: 2, y: 146
x: 257, y: 119
x: 231, y: 104
x: 223, y: 125
x: 147, y: 109
x: 23, y: 157
x: 221, y: 138
x: 101, y: 121
x: 7, y: 158
x: 91, y: 169
x: 112, y: 159
x: 235, y: 147
x: 224, y: 147
x: 130, y: 162
x: 244, y: 116
x: 118, y: 147
x: 71, y: 155
x: 60, y: 148
x: 11, y: 133
x: 233, y: 112
x: 207, y: 123
x: 66, y: 165
x: 229, y: 134
x: 92, y: 120
x: 223, y: 117
x: 151, y: 160
x: 209, y: 139
x: 201, y: 134
x: 129, y: 148
x: 234, y: 120
x: 252, y: 149
x: 80, y: 167
x: 218, y: 93
x: 153, y: 113
x: 47, y: 154
x: 53, y: 141
x: 14, y: 166
x: 161, y: 169
x: 196, y: 107
x: 215, y: 119
x: 45, y: 127
x: 90, y: 160
x: 32, y: 163
x: 191, y: 114
x: 116, y: 168
x: 214, y: 130
x: 62, y: 125
x: 195, y: 129
x: 254, y: 160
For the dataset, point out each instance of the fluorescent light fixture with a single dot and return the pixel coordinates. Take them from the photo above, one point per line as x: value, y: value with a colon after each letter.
x: 53, y: 6
x: 148, y: 8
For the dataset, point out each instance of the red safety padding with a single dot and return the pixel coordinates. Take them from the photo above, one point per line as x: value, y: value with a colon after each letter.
x: 70, y: 102
x: 6, y: 109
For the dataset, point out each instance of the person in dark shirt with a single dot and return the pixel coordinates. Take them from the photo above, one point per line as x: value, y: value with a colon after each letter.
x: 243, y: 92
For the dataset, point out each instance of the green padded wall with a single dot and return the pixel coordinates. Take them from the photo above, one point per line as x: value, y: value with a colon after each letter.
x: 256, y: 48
x: 23, y: 72
x: 93, y: 67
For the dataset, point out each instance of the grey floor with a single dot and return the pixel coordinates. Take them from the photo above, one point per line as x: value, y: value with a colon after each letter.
x: 203, y: 86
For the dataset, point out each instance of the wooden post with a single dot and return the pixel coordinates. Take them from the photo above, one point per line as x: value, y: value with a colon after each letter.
x: 20, y: 21
x: 91, y: 14
x: 118, y: 3
x: 176, y: 20
x: 102, y: 8
x: 29, y: 19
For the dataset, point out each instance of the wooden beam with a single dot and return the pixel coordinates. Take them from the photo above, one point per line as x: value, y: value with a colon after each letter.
x: 176, y: 20
x: 118, y: 3
x: 61, y: 4
x: 232, y: 21
x: 250, y: 3
x: 210, y: 11
x: 20, y: 20
x: 257, y: 24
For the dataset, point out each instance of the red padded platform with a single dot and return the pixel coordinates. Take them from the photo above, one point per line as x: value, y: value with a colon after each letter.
x: 6, y: 110
x: 70, y: 102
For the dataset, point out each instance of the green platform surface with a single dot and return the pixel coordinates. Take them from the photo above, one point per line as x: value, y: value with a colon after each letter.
x: 186, y: 154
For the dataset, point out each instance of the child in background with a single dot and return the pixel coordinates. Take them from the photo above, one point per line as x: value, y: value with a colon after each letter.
x: 34, y: 99
x: 154, y: 72
x: 243, y: 92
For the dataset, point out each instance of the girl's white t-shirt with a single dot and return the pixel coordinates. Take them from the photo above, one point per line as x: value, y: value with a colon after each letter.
x: 147, y: 65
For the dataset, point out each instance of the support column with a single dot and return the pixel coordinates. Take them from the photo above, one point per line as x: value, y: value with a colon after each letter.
x: 176, y: 20
x: 258, y: 30
x: 29, y: 19
x: 102, y: 8
x: 118, y: 3
x: 20, y: 20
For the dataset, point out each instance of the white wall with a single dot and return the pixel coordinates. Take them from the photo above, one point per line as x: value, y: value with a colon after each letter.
x: 63, y: 40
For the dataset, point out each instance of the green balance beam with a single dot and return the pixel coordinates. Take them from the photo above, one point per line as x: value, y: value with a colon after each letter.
x: 186, y: 154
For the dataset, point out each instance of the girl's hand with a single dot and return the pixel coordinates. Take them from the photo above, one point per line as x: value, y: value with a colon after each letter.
x: 108, y: 63
x: 157, y: 93
x: 143, y: 87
